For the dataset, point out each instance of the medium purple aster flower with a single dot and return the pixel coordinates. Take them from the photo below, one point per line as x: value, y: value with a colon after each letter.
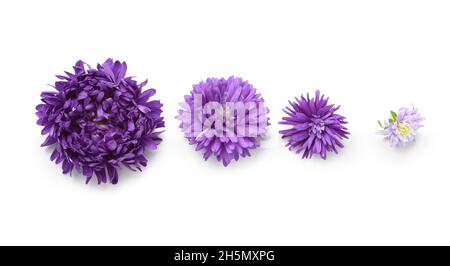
x: 99, y: 120
x: 401, y: 128
x: 224, y: 117
x: 315, y: 127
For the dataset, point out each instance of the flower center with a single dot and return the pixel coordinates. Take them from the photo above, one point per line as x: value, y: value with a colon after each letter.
x: 317, y: 126
x: 403, y: 129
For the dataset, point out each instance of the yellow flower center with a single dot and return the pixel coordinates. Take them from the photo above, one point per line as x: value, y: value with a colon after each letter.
x: 403, y: 129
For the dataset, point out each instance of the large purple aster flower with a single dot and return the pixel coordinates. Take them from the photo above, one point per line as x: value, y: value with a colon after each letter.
x: 224, y: 117
x: 315, y: 127
x: 99, y: 120
x: 401, y: 128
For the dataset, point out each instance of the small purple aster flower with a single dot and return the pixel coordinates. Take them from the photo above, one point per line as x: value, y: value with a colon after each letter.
x: 223, y: 117
x: 401, y: 128
x: 315, y: 127
x: 99, y: 120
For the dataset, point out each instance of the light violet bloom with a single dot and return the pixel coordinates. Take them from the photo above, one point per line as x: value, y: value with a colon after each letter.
x: 401, y: 128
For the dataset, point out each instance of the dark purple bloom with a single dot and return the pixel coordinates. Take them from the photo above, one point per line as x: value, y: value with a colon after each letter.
x: 99, y: 120
x: 315, y: 127
x: 224, y: 117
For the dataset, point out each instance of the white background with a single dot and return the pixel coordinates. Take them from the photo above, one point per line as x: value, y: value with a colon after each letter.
x: 369, y: 56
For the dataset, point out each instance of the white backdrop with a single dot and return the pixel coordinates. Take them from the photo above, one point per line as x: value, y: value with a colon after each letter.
x: 369, y: 56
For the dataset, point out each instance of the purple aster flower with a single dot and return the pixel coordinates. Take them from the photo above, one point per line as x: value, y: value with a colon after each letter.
x: 315, y: 126
x: 224, y: 117
x: 99, y: 120
x: 401, y: 128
